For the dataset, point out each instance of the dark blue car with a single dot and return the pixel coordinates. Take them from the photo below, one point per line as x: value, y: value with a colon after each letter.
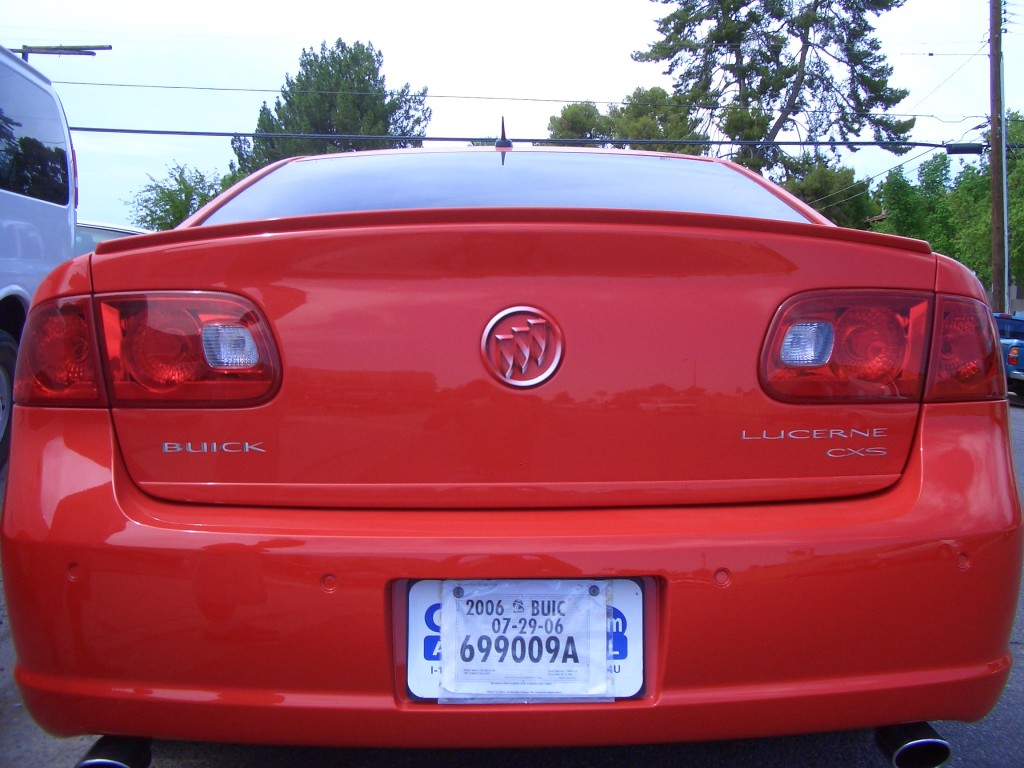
x: 1011, y: 336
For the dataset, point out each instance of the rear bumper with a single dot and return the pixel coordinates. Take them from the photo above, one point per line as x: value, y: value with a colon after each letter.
x: 138, y: 617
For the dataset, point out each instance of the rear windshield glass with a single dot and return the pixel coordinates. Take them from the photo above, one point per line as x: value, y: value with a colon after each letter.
x: 1010, y: 328
x: 373, y: 182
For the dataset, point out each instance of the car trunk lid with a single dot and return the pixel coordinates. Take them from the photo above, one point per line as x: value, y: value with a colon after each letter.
x: 397, y: 392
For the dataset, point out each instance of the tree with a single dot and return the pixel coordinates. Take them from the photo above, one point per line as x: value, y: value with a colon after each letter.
x: 831, y: 190
x: 581, y: 120
x: 970, y: 204
x: 753, y: 69
x: 165, y: 204
x: 653, y: 113
x: 954, y: 213
x: 1015, y: 195
x: 902, y: 206
x: 338, y: 91
x: 647, y: 114
x: 934, y: 184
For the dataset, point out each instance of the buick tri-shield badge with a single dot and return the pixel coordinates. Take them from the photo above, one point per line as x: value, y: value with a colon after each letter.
x: 522, y: 346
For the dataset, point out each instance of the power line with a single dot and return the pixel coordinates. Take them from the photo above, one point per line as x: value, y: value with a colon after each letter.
x: 525, y: 99
x: 319, y: 93
x: 953, y: 74
x: 863, y: 181
x: 538, y: 141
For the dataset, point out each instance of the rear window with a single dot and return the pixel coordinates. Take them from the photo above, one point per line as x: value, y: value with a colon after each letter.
x: 33, y: 144
x: 1010, y: 328
x: 480, y: 179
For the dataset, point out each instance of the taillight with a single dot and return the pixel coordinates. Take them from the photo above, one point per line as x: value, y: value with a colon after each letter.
x: 965, y: 359
x: 848, y: 346
x: 876, y: 346
x: 57, y: 358
x: 1013, y: 356
x: 168, y: 349
x: 186, y: 349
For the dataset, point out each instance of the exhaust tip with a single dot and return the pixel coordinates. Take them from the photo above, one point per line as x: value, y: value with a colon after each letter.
x: 913, y: 745
x: 118, y: 752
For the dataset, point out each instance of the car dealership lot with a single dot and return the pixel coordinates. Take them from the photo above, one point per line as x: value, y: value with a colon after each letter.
x: 995, y: 742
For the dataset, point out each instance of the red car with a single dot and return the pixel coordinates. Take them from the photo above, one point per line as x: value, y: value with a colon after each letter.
x: 530, y: 447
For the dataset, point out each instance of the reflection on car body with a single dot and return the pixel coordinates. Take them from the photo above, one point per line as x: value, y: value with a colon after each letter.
x: 520, y: 478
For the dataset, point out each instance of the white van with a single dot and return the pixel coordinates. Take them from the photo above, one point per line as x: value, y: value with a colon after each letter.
x: 38, y: 193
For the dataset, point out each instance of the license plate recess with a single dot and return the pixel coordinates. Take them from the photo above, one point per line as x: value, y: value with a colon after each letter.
x: 525, y: 640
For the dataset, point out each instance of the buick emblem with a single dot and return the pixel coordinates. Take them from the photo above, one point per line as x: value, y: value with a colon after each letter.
x: 522, y: 347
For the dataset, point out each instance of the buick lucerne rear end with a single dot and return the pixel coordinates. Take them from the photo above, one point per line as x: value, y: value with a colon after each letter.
x: 469, y: 448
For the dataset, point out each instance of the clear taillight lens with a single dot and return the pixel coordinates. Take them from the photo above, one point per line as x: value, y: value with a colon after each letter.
x: 158, y: 349
x: 848, y: 346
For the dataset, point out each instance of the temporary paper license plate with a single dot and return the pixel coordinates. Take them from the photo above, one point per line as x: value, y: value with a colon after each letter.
x: 525, y: 640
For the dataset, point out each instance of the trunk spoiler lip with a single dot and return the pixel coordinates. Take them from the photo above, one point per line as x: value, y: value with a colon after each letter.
x: 417, y: 217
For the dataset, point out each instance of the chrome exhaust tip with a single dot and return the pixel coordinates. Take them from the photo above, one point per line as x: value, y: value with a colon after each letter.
x: 913, y: 745
x: 118, y: 752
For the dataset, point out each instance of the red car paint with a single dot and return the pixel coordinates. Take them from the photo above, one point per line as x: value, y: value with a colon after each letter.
x: 839, y: 553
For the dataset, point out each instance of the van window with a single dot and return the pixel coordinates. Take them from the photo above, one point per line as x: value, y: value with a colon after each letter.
x: 33, y: 152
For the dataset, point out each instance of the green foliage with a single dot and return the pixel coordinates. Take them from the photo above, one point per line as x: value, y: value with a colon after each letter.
x: 338, y: 92
x: 831, y: 190
x: 970, y: 204
x: 653, y: 113
x: 1015, y: 193
x: 752, y: 69
x: 934, y: 184
x: 581, y: 120
x: 902, y: 210
x: 954, y: 212
x: 165, y: 204
x: 926, y: 210
x: 647, y: 114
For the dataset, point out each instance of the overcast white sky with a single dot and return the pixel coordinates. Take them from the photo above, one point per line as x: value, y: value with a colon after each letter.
x: 480, y: 60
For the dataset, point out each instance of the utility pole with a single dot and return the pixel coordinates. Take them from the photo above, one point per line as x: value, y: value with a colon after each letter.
x: 997, y: 162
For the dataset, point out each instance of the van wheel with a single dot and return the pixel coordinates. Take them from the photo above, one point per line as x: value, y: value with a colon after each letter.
x: 8, y: 357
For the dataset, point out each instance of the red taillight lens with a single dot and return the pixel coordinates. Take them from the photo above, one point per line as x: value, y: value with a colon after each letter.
x: 172, y: 349
x: 160, y: 345
x: 873, y: 346
x: 186, y: 349
x: 848, y: 346
x: 1013, y: 356
x: 965, y: 359
x: 57, y: 358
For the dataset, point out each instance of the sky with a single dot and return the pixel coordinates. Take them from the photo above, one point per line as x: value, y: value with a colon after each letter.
x: 208, y: 66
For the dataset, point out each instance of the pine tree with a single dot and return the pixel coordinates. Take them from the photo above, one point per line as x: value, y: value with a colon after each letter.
x: 338, y: 91
x: 753, y: 69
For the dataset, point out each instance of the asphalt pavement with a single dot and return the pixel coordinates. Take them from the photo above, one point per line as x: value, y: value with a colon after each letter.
x: 995, y: 742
